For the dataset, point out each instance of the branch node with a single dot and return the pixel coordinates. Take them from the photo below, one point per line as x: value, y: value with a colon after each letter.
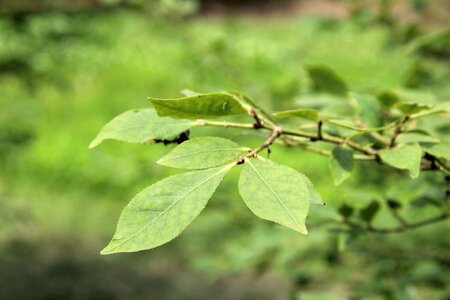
x: 241, y: 160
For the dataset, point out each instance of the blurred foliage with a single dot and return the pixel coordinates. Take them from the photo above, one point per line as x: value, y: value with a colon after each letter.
x: 62, y: 76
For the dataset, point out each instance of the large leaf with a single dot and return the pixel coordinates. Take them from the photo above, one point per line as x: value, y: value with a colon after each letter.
x: 341, y: 163
x: 406, y: 157
x: 198, y: 106
x: 203, y: 153
x: 308, y: 114
x: 326, y: 80
x: 276, y: 193
x: 160, y: 212
x: 140, y: 126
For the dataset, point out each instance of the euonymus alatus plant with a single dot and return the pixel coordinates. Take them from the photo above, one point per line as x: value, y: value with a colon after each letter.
x: 271, y: 191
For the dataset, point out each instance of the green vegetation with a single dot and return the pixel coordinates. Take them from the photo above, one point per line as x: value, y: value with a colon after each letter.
x: 63, y: 77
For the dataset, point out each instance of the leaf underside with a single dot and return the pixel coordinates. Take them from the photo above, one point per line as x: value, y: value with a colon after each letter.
x: 202, y: 153
x: 160, y: 212
x: 406, y: 157
x: 306, y: 113
x: 326, y: 80
x: 439, y: 150
x: 140, y: 126
x: 275, y: 193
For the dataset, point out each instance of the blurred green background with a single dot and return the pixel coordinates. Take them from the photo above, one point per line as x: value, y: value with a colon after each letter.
x: 68, y: 67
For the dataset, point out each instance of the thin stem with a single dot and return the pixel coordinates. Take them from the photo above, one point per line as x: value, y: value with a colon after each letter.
x: 398, y: 129
x: 325, y: 152
x: 368, y: 153
x: 394, y: 212
x: 258, y: 123
x: 319, y: 130
x: 277, y: 131
x: 332, y: 139
x: 379, y: 138
x: 402, y: 228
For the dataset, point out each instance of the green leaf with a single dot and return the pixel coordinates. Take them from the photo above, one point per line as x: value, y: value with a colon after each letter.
x: 203, y: 153
x: 160, y: 212
x: 393, y: 204
x: 416, y: 137
x: 341, y: 163
x: 326, y: 80
x: 389, y: 99
x: 314, y: 196
x: 198, y: 106
x: 440, y: 108
x: 406, y: 157
x: 247, y: 104
x: 308, y: 114
x: 439, y: 150
x: 275, y: 193
x: 140, y: 126
x: 412, y: 108
x: 346, y: 211
x: 367, y: 109
x: 368, y: 213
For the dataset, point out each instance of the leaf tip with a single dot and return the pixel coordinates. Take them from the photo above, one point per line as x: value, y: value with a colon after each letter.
x: 106, y: 251
x: 161, y: 161
x: 94, y: 143
x: 303, y: 230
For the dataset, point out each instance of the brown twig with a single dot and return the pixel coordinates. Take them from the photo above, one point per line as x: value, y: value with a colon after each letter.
x: 402, y: 228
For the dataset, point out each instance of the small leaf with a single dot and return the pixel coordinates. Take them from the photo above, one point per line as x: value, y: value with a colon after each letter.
x: 203, y: 153
x: 140, y: 126
x: 326, y: 80
x: 406, y: 157
x: 426, y: 200
x: 346, y: 211
x: 416, y: 137
x: 367, y: 109
x: 275, y: 193
x: 439, y: 150
x: 341, y: 163
x: 389, y: 99
x: 412, y: 108
x: 160, y: 212
x: 368, y: 213
x: 198, y: 106
x: 308, y: 114
x: 394, y: 204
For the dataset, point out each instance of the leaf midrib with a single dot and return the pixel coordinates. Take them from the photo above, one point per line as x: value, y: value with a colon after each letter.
x: 198, y: 152
x: 273, y: 192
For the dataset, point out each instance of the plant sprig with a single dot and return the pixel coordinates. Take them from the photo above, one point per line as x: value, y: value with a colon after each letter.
x: 271, y: 191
